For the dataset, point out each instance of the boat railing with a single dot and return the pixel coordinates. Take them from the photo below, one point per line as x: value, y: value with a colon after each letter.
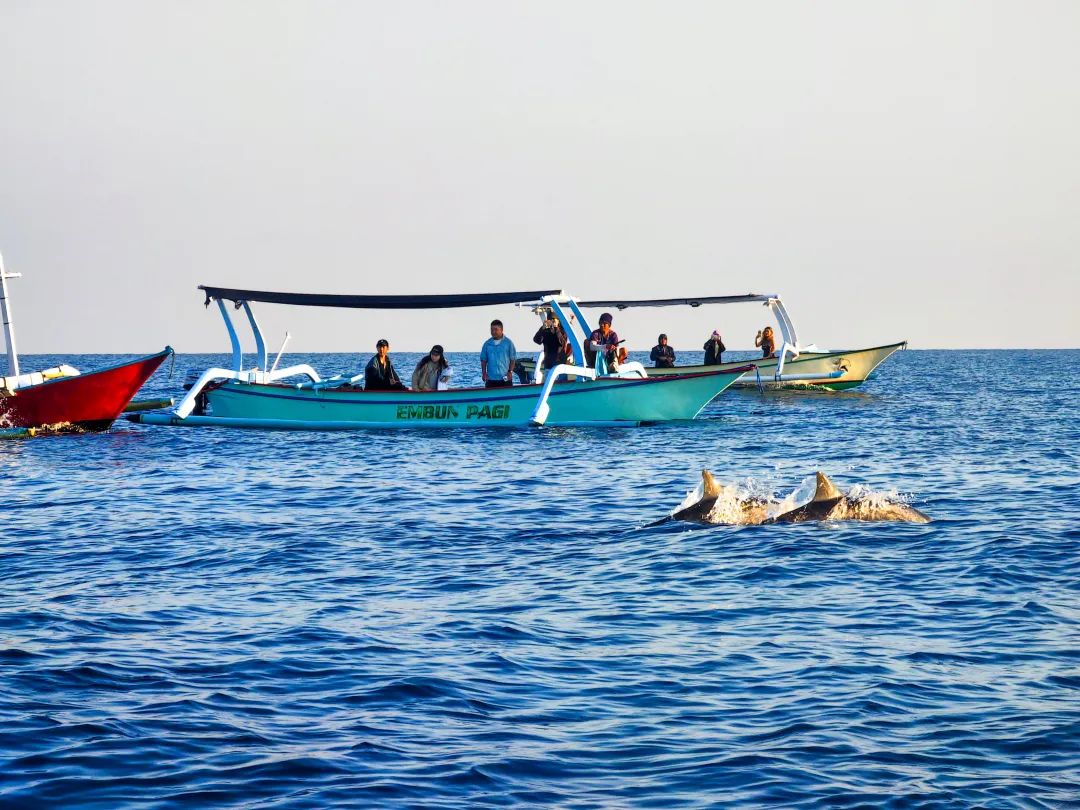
x: 542, y: 410
x: 781, y: 377
x: 254, y: 375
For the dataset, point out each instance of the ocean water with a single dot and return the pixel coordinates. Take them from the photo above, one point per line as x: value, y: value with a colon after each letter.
x: 486, y: 618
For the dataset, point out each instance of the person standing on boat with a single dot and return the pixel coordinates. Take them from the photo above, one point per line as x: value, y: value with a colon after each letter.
x: 604, y: 340
x: 552, y: 337
x: 662, y: 354
x: 497, y: 358
x: 431, y: 370
x: 765, y: 340
x: 714, y: 349
x: 380, y: 374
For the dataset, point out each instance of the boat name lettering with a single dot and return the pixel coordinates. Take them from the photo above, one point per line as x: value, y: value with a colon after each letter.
x: 451, y: 412
x: 487, y: 412
x: 427, y: 412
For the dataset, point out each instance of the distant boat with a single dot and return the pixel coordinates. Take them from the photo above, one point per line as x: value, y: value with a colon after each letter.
x: 61, y: 399
x: 792, y: 365
x: 259, y: 397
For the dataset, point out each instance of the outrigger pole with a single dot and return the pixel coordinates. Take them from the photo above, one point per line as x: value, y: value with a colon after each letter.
x: 9, y: 325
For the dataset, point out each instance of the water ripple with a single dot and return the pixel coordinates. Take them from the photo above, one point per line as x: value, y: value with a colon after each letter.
x: 425, y: 619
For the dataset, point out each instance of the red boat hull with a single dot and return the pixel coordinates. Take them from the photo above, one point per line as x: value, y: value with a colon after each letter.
x: 89, y: 401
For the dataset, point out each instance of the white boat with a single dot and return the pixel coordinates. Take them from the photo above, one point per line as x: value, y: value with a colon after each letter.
x: 792, y: 365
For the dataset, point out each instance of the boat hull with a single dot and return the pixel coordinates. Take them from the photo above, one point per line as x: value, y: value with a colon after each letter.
x: 856, y: 366
x: 607, y: 401
x: 87, y: 402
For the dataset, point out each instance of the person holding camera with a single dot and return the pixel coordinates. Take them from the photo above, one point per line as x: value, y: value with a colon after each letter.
x: 553, y: 338
x: 765, y: 340
x: 714, y: 350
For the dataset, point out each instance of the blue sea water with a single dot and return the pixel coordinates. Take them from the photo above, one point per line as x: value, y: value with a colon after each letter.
x: 486, y: 618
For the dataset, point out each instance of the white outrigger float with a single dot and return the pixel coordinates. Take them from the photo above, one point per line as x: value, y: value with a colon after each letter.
x: 792, y: 365
x: 264, y: 397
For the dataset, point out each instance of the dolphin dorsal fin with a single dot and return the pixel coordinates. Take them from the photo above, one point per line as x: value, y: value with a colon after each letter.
x: 710, y: 489
x: 826, y: 491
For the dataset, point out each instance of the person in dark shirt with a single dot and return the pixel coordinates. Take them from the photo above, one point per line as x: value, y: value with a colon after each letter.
x: 552, y: 337
x: 714, y: 349
x: 603, y: 340
x: 765, y: 340
x: 662, y: 354
x: 379, y: 375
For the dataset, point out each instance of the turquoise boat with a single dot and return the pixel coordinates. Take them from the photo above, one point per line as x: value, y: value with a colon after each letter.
x: 571, y: 394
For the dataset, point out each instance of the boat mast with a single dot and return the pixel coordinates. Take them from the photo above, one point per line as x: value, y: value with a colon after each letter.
x: 9, y: 326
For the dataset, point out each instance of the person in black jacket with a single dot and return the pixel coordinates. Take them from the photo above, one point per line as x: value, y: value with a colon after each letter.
x: 552, y: 337
x: 380, y: 375
x: 662, y: 354
x: 714, y: 348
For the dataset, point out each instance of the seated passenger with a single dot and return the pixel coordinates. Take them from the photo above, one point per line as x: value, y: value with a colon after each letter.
x: 765, y: 340
x: 431, y: 370
x: 662, y: 354
x: 606, y: 342
x: 380, y: 375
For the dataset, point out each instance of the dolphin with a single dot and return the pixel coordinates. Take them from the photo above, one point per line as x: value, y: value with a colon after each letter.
x: 829, y: 503
x: 747, y: 510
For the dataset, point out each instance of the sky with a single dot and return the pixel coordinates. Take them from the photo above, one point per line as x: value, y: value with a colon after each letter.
x: 894, y: 170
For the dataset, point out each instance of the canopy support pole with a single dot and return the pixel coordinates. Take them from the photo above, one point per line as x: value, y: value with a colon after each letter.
x: 575, y: 344
x: 237, y: 354
x: 583, y: 324
x: 787, y: 327
x: 9, y: 324
x: 260, y: 345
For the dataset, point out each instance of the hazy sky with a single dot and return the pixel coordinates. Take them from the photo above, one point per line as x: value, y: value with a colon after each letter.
x: 892, y: 169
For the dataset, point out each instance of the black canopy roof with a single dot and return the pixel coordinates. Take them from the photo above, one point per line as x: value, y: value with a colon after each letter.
x: 672, y: 302
x: 376, y: 301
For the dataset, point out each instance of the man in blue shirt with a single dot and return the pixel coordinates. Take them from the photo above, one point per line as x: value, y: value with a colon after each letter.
x: 497, y: 358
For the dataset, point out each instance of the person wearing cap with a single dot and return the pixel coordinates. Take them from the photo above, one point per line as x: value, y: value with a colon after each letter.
x: 714, y: 348
x: 380, y: 375
x: 431, y: 370
x: 497, y: 358
x: 662, y: 354
x: 603, y: 340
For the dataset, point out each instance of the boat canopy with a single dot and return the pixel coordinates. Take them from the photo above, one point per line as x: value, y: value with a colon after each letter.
x: 375, y: 301
x: 673, y: 302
